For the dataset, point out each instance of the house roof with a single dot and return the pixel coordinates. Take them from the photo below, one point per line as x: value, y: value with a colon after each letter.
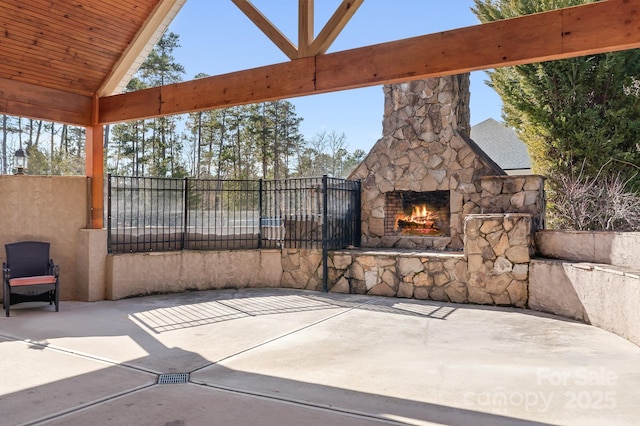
x: 502, y: 144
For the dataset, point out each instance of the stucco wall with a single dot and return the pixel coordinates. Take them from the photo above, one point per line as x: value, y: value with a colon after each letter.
x: 46, y: 208
x: 602, y: 295
x: 91, y: 269
x: 172, y: 272
x: 614, y: 248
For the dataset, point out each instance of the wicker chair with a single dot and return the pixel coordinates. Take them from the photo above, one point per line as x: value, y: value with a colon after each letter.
x: 29, y: 275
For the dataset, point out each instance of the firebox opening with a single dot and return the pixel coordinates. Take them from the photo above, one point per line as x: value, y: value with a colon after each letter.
x: 425, y: 214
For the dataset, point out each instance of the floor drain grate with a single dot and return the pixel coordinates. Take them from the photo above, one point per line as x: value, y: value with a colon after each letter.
x: 172, y: 379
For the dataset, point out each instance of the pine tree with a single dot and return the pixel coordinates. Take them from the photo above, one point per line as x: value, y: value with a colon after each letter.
x: 160, y: 68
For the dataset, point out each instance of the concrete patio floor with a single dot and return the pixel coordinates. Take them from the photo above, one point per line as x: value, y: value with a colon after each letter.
x: 282, y: 357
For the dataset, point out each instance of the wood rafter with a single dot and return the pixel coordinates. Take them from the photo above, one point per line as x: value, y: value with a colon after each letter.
x: 307, y: 45
x: 141, y: 45
x: 267, y: 28
x: 587, y: 29
x: 336, y: 24
x: 305, y: 27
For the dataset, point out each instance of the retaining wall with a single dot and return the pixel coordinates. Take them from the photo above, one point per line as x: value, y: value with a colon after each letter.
x: 140, y: 274
x: 492, y: 270
x: 591, y: 276
x: 603, y: 295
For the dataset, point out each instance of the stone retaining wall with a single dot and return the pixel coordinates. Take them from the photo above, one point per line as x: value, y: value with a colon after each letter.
x: 302, y: 269
x: 420, y: 275
x: 498, y: 249
x: 494, y: 268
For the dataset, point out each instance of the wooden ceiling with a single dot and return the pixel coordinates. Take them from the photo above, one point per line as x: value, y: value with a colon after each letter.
x: 67, y: 51
x: 65, y: 60
x: 67, y: 45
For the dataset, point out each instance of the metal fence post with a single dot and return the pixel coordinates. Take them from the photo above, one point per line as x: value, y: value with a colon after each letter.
x: 357, y: 232
x: 259, y: 213
x: 109, y: 213
x: 325, y: 236
x: 185, y: 218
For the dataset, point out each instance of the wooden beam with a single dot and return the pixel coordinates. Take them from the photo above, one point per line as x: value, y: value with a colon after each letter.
x: 32, y: 101
x: 305, y: 27
x: 583, y: 32
x: 532, y: 38
x: 279, y: 81
x: 267, y: 28
x: 139, y: 48
x: 587, y: 29
x: 131, y: 106
x: 335, y: 25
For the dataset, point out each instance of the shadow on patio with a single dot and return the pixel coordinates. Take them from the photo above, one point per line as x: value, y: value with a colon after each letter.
x: 292, y: 357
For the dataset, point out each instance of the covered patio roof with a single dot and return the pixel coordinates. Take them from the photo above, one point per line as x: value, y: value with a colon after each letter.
x: 59, y: 56
x: 67, y: 61
x: 56, y: 56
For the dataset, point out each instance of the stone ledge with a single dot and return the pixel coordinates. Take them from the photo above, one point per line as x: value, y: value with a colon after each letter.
x: 497, y: 215
x: 405, y: 242
x: 510, y: 177
x: 401, y: 253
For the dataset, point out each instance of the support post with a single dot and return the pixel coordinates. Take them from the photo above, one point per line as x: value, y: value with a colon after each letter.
x: 94, y: 167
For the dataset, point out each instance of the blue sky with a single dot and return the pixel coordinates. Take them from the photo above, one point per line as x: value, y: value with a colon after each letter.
x: 217, y: 38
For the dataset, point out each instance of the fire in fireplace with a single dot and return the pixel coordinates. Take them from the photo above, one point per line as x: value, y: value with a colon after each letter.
x: 412, y: 213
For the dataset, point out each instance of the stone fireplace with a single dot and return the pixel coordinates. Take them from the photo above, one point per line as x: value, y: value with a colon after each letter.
x: 425, y: 160
x: 428, y: 188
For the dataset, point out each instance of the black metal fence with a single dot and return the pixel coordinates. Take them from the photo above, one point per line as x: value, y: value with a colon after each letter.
x: 157, y: 214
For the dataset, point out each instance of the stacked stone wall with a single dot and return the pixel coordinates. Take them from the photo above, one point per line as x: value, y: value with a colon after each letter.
x: 493, y: 270
x: 498, y: 251
x: 509, y: 194
x: 302, y: 269
x: 432, y: 276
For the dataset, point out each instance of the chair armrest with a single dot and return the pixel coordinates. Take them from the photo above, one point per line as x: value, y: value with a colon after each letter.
x: 54, y: 269
x: 6, y: 272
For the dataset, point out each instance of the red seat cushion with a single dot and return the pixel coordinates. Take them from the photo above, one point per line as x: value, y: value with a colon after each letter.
x: 41, y: 279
